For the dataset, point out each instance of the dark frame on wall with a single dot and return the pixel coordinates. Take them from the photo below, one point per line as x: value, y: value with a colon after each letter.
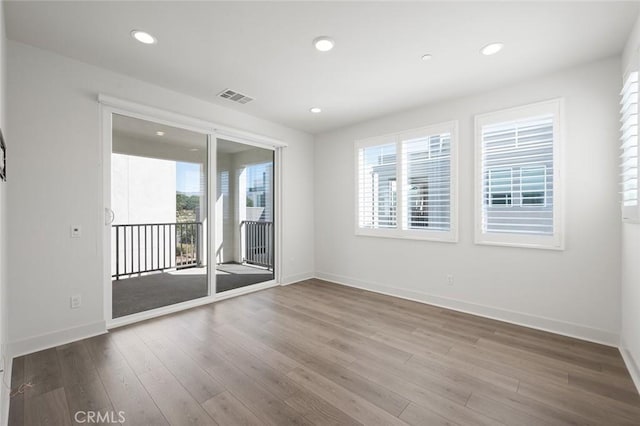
x: 3, y: 158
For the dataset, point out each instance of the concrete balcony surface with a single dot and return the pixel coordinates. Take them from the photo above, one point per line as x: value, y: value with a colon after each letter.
x: 154, y: 290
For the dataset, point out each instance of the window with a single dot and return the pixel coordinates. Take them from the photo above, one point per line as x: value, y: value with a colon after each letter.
x: 259, y: 181
x: 533, y: 186
x: 500, y: 187
x: 629, y: 147
x: 517, y: 185
x: 377, y: 186
x: 406, y: 184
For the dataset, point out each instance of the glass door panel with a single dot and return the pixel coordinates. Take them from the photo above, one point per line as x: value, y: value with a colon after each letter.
x: 245, y: 243
x: 159, y: 202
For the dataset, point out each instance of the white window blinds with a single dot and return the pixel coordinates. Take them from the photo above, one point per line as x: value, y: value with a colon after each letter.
x: 377, y: 191
x: 629, y: 146
x: 406, y: 184
x: 518, y: 177
x: 426, y: 176
x: 517, y: 158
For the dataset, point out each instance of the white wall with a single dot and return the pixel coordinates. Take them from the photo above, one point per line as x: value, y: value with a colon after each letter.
x: 56, y: 164
x: 225, y: 200
x: 4, y: 283
x: 574, y: 292
x: 143, y: 190
x: 630, y: 329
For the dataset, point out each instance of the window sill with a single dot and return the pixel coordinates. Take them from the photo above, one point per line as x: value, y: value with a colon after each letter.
x: 435, y: 236
x: 554, y: 243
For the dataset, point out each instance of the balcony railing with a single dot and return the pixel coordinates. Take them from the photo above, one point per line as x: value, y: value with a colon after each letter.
x: 258, y: 243
x: 151, y: 247
x: 154, y: 247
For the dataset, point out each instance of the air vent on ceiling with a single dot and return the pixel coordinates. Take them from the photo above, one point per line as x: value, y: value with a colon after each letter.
x: 234, y: 96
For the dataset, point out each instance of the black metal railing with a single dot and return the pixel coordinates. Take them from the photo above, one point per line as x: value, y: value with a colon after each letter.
x: 151, y: 247
x: 258, y: 239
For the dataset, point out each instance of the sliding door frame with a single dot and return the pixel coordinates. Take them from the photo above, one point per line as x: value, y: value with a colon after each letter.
x: 108, y: 106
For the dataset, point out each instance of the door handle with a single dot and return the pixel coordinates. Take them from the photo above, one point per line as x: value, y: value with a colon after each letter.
x: 109, y: 216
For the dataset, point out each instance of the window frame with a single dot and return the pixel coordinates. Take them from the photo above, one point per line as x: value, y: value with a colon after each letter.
x: 549, y: 242
x: 509, y: 192
x: 398, y: 231
x: 630, y: 214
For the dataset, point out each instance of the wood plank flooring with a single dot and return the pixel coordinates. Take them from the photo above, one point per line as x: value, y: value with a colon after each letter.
x: 323, y: 354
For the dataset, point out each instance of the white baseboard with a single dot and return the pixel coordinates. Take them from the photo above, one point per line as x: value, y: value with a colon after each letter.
x: 631, y: 363
x: 291, y: 279
x: 44, y: 341
x: 545, y: 324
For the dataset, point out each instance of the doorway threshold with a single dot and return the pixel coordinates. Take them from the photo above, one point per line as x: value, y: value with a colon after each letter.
x: 166, y: 310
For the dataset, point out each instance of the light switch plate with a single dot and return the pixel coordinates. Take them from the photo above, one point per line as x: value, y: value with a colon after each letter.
x: 76, y: 301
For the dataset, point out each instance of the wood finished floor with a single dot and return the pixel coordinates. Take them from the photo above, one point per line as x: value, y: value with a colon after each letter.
x: 318, y: 353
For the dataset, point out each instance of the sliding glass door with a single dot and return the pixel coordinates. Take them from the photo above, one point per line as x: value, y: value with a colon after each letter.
x: 177, y: 201
x: 245, y: 243
x: 159, y: 203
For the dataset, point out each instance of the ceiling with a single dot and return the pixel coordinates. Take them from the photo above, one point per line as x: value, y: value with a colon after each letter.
x: 264, y: 49
x: 137, y: 130
x: 143, y: 130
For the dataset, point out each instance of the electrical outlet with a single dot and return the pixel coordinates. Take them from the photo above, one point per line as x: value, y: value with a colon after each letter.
x: 449, y: 279
x: 76, y: 301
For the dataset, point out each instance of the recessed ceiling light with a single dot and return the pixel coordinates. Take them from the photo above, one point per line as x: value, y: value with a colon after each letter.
x: 491, y: 49
x: 143, y: 37
x: 427, y: 57
x: 194, y: 149
x: 160, y: 133
x: 323, y: 43
x: 315, y: 110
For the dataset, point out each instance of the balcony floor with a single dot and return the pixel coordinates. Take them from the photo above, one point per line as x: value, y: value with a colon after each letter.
x: 142, y: 293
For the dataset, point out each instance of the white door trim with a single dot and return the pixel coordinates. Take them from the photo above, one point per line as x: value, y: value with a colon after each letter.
x: 144, y: 112
x: 212, y: 189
